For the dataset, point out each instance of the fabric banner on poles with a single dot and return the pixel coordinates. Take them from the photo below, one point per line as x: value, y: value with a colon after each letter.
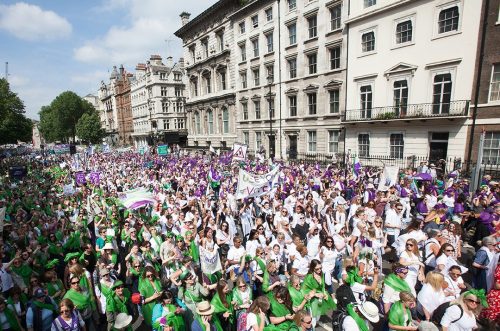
x: 162, y: 150
x: 210, y: 261
x: 388, y: 178
x: 250, y: 185
x: 239, y: 151
x: 95, y: 177
x: 80, y: 178
x: 137, y: 198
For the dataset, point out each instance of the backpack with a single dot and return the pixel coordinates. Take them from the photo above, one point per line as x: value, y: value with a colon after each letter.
x: 241, y: 324
x: 338, y: 317
x: 439, y: 312
x: 344, y: 296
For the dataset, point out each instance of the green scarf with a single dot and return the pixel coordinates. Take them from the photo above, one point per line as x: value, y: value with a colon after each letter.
x: 44, y: 305
x: 191, y: 295
x: 220, y: 308
x: 215, y: 321
x: 176, y: 321
x: 11, y: 318
x: 297, y: 297
x: 280, y: 310
x: 24, y: 271
x: 81, y: 300
x: 397, y: 314
x: 359, y: 321
x: 237, y: 295
x: 318, y: 307
x: 193, y: 251
x: 396, y: 283
x: 353, y: 277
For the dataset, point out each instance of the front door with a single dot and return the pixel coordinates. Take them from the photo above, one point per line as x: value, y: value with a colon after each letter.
x: 438, y: 146
x: 292, y: 152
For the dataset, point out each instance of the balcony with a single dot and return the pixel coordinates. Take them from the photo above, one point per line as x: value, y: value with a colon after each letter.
x: 420, y: 111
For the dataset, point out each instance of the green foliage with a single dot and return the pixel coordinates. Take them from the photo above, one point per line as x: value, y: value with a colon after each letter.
x: 58, y: 120
x: 14, y: 125
x: 89, y: 128
x: 386, y: 116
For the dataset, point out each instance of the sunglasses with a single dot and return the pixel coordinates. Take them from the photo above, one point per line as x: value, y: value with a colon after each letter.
x: 409, y: 245
x: 74, y: 283
x: 307, y: 322
x: 476, y: 302
x: 450, y: 250
x: 317, y: 269
x: 149, y: 276
x: 329, y: 241
x: 242, y: 286
x: 455, y: 274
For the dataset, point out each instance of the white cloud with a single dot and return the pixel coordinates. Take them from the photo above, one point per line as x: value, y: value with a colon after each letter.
x: 30, y: 22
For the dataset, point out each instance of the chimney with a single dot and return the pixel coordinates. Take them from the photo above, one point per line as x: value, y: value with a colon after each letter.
x: 170, y: 62
x: 181, y: 63
x: 185, y: 17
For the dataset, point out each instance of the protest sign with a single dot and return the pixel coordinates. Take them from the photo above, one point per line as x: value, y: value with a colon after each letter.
x: 251, y: 185
x: 388, y: 178
x: 80, y: 178
x: 210, y: 261
x: 162, y: 150
x: 239, y: 151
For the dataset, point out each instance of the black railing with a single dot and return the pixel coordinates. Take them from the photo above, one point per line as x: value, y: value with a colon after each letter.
x: 412, y: 111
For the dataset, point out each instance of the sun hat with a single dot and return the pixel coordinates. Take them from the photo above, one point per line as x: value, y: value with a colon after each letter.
x: 122, y: 320
x: 103, y: 272
x: 204, y: 308
x: 369, y: 311
x: 71, y: 256
x: 108, y: 246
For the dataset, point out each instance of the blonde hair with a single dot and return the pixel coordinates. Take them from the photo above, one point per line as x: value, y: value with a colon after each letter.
x: 415, y: 250
x: 461, y: 301
x: 435, y: 279
x: 406, y: 296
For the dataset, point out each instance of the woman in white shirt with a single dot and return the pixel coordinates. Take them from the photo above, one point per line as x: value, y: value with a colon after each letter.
x: 431, y: 295
x: 253, y: 242
x: 410, y: 258
x: 256, y: 316
x: 328, y: 257
x: 461, y: 314
x: 444, y: 259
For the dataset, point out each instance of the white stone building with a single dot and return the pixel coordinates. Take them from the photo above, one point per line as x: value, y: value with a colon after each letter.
x: 157, y: 99
x: 108, y: 111
x: 409, y: 80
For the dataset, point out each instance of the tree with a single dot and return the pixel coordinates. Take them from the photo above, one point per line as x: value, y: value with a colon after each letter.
x: 14, y: 125
x: 89, y: 128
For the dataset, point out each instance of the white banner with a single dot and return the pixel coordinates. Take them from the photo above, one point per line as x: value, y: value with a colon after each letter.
x: 239, y: 151
x: 388, y: 178
x: 250, y: 185
x: 210, y: 261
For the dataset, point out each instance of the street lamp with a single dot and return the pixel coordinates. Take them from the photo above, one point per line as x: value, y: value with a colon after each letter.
x: 270, y: 79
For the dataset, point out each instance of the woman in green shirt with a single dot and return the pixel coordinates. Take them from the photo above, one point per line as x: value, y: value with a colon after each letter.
x: 191, y: 293
x: 223, y: 308
x: 150, y: 289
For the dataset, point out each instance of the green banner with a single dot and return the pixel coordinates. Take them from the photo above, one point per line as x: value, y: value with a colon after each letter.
x: 162, y: 150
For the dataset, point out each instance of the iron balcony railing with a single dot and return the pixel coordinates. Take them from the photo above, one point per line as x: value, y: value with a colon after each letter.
x: 459, y: 108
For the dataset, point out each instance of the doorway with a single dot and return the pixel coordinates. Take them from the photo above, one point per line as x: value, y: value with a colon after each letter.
x: 438, y: 146
x: 292, y: 152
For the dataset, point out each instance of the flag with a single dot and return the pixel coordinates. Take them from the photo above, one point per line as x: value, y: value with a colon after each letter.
x: 213, y: 178
x: 356, y: 167
x: 210, y: 261
x: 212, y: 149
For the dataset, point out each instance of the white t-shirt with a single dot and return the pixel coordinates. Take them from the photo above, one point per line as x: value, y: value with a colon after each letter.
x: 301, y: 264
x: 349, y: 324
x: 359, y: 292
x: 235, y: 254
x: 453, y: 287
x: 390, y: 295
x: 465, y: 323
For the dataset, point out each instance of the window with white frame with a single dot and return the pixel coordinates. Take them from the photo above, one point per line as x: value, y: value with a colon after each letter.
x: 246, y: 138
x: 258, y: 140
x: 166, y: 125
x: 178, y: 92
x: 204, y: 47
x: 164, y: 107
x: 333, y: 141
x: 270, y: 106
x: 491, y: 148
x: 312, y: 103
x: 312, y: 60
x: 369, y: 3
x: 368, y: 41
x: 243, y: 52
x: 255, y: 21
x: 220, y: 40
x: 335, y: 58
x: 363, y: 145
x: 210, y: 117
x: 495, y: 83
x: 225, y: 120
x: 400, y: 96
x: 222, y: 78
x: 255, y: 46
x: 311, y: 141
x: 269, y: 41
x: 334, y: 101
x: 441, y: 93
x: 292, y: 4
x: 335, y: 17
x: 270, y: 72
x: 207, y: 77
x: 292, y: 105
x: 244, y: 107
x: 292, y: 33
x: 243, y: 79
x: 396, y: 145
x: 256, y: 107
x: 366, y: 98
x: 164, y: 90
x: 312, y: 24
x: 256, y: 77
x: 269, y: 14
x: 448, y: 19
x: 242, y: 27
x: 404, y: 32
x: 292, y: 67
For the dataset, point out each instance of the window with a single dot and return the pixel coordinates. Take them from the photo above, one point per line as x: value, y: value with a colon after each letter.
x: 194, y: 86
x: 243, y: 78
x: 222, y: 76
x: 368, y: 41
x: 366, y: 101
x: 220, y: 40
x: 204, y: 46
x: 334, y: 101
x: 292, y: 4
x: 255, y: 21
x: 311, y: 141
x: 179, y: 123
x: 270, y: 72
x: 208, y: 82
x: 495, y: 83
x: 256, y: 106
x: 404, y: 32
x: 292, y: 67
x: 441, y: 95
x: 335, y: 58
x: 192, y: 54
x: 269, y: 40
x: 255, y: 46
x: 363, y: 145
x: 311, y: 103
x: 312, y: 23
x: 244, y: 107
x: 210, y: 115
x: 258, y: 140
x: 369, y: 3
x: 243, y: 52
x: 396, y: 145
x: 163, y: 75
x: 333, y: 141
x: 292, y: 105
x: 177, y: 77
x: 164, y: 107
x: 312, y: 60
x: 448, y: 19
x: 178, y: 92
x: 246, y: 138
x: 400, y: 97
x: 164, y: 91
x: 292, y: 34
x: 491, y: 149
x: 225, y: 121
x: 335, y: 17
x: 270, y: 106
x: 166, y: 124
x: 269, y: 14
x: 242, y: 27
x: 256, y: 77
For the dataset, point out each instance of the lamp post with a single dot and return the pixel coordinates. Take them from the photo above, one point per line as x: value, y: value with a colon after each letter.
x: 271, y: 135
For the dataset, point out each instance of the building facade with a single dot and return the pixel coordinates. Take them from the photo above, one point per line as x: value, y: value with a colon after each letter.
x: 487, y: 89
x: 157, y: 99
x: 409, y: 78
x: 208, y: 45
x: 108, y: 111
x: 290, y: 64
x: 124, y: 108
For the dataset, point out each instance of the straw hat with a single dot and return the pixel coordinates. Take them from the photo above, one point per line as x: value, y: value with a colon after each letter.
x: 108, y: 246
x: 369, y: 311
x: 204, y: 308
x: 122, y: 321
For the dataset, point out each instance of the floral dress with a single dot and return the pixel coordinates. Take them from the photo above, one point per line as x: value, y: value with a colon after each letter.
x: 493, y: 311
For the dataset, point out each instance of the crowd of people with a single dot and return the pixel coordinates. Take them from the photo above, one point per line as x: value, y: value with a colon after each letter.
x: 324, y: 246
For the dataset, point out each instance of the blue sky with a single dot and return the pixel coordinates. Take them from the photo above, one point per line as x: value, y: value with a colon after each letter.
x: 54, y: 46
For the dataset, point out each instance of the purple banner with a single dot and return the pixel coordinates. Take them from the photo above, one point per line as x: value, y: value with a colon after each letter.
x: 80, y: 178
x: 95, y: 178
